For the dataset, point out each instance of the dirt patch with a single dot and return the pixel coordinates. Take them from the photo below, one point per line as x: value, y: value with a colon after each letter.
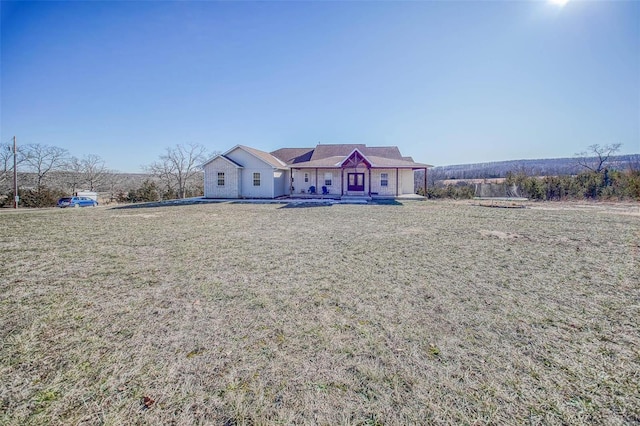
x: 623, y: 208
x: 500, y: 235
x: 142, y: 215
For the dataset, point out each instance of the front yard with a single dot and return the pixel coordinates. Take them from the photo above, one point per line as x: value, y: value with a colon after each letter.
x: 420, y: 312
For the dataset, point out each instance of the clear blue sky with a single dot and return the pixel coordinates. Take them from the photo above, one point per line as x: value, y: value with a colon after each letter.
x: 447, y: 82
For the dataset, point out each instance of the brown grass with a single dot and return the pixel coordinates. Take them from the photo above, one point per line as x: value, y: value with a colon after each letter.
x: 419, y: 313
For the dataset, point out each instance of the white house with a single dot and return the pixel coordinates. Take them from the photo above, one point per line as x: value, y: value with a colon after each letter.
x: 330, y: 170
x: 244, y: 172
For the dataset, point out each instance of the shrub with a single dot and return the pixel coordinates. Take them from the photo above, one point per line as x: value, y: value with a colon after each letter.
x: 43, y: 197
x: 146, y: 193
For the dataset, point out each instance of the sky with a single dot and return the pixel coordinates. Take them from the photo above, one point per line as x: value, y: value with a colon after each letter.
x: 448, y: 82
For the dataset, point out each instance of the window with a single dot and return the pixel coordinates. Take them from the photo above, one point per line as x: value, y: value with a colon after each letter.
x: 306, y: 177
x: 220, y: 178
x: 256, y: 179
x: 384, y: 179
x: 327, y: 178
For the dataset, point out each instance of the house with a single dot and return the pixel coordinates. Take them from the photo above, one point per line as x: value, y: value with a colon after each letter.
x: 334, y: 170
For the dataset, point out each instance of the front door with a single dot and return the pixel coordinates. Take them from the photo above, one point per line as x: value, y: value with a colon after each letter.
x: 355, y: 182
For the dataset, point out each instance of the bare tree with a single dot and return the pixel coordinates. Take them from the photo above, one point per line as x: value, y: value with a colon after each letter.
x: 634, y: 163
x: 73, y: 174
x: 595, y: 159
x: 43, y: 159
x: 6, y: 164
x: 89, y: 171
x: 164, y: 170
x: 177, y: 168
x: 434, y: 176
x: 113, y: 180
x: 93, y: 170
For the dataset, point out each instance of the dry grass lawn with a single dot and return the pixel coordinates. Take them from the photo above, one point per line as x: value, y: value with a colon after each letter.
x: 230, y: 314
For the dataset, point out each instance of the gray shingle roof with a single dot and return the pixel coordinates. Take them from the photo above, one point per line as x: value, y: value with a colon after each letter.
x: 330, y: 155
x: 265, y: 156
x: 384, y: 151
x: 331, y: 150
x: 326, y: 151
x: 293, y: 155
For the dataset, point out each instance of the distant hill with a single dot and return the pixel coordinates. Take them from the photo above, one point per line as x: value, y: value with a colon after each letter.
x: 122, y: 181
x: 540, y: 167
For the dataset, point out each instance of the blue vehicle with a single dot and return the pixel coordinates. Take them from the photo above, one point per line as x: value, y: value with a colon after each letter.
x: 77, y: 202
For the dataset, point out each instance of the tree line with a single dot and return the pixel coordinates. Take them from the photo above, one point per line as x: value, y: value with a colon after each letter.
x: 599, y: 176
x: 47, y: 172
x: 538, y: 167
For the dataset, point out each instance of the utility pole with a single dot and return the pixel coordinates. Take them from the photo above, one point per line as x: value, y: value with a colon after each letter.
x: 16, y: 198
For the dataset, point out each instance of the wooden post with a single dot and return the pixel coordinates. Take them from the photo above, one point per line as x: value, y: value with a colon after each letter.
x: 425, y: 182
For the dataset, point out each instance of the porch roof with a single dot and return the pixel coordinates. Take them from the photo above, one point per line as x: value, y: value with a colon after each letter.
x: 376, y: 163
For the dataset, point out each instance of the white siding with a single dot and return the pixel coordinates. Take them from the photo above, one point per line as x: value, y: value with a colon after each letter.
x: 408, y: 184
x: 252, y: 164
x: 300, y: 185
x: 231, y: 179
x: 390, y: 189
x: 404, y: 177
x: 336, y: 187
x: 280, y: 183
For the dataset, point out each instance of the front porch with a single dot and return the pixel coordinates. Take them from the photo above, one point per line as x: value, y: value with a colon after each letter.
x: 356, y: 199
x: 353, y: 176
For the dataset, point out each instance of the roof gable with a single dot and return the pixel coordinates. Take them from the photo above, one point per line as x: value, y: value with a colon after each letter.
x: 261, y: 155
x: 354, y: 159
x: 224, y: 158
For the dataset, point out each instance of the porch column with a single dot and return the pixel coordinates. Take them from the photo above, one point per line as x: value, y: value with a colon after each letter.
x: 341, y: 181
x: 397, y: 174
x: 425, y: 182
x: 369, y: 181
x: 291, y: 184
